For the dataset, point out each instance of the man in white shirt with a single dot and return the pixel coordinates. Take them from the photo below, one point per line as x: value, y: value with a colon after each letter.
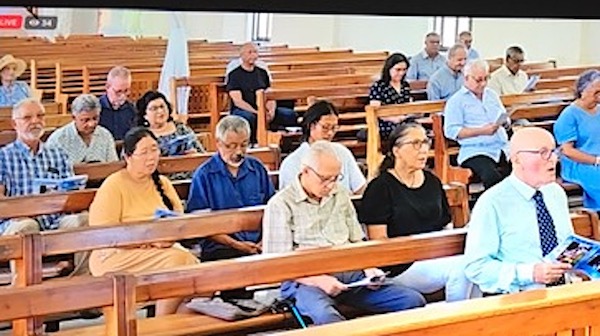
x: 517, y: 222
x: 509, y: 78
x: 320, y: 122
x: 83, y: 139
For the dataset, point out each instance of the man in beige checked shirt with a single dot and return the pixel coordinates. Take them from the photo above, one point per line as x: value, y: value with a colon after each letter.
x: 316, y: 211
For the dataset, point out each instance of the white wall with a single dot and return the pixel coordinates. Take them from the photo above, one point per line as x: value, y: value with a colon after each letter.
x: 590, y: 48
x: 382, y: 33
x: 303, y: 30
x: 568, y: 41
x: 541, y: 39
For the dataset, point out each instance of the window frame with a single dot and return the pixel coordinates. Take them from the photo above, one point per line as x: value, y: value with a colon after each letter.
x: 438, y: 27
x: 256, y: 20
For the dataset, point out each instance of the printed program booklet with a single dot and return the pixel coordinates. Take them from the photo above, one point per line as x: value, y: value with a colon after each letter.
x: 44, y: 185
x: 582, y: 253
x: 179, y: 144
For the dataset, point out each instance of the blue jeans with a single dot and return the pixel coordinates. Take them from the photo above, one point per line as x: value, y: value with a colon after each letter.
x: 284, y: 117
x: 320, y: 307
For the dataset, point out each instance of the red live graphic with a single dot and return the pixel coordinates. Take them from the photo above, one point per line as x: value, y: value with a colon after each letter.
x: 11, y: 21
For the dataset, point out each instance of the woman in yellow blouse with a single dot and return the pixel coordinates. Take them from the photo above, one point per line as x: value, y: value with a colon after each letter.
x: 132, y: 194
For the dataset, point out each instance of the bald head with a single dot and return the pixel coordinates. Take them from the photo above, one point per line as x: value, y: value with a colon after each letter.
x: 532, y: 156
x: 248, y: 54
x: 531, y: 137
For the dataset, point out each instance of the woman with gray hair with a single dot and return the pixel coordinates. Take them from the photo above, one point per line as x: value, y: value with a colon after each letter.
x: 83, y: 139
x: 576, y: 131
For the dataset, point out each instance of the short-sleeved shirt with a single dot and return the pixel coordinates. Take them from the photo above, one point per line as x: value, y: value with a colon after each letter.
x: 292, y: 220
x: 581, y: 128
x: 118, y: 121
x: 214, y: 187
x: 472, y: 54
x: 464, y: 109
x: 19, y: 167
x: 443, y: 83
x: 10, y: 95
x: 352, y: 177
x: 236, y: 62
x: 180, y: 129
x: 387, y: 95
x: 505, y: 82
x: 503, y: 240
x: 248, y: 82
x: 101, y: 147
x: 422, y: 66
x: 405, y: 211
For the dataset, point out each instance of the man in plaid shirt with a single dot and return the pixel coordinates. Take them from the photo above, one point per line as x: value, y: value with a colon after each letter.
x: 316, y: 211
x: 28, y: 158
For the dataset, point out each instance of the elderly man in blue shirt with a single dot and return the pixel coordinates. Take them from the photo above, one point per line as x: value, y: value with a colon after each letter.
x: 466, y: 38
x: 516, y: 223
x: 475, y: 117
x: 230, y: 179
x: 446, y: 80
x: 26, y: 159
x: 425, y: 63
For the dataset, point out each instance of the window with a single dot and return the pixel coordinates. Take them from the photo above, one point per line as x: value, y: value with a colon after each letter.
x: 449, y: 27
x: 261, y: 27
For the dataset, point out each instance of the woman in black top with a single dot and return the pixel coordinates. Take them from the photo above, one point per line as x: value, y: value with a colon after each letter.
x: 406, y: 199
x: 391, y: 88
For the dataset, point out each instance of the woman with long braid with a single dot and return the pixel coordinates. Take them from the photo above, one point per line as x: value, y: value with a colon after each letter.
x: 131, y: 194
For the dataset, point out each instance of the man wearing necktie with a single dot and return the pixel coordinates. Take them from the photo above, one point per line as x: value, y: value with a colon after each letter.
x: 517, y: 222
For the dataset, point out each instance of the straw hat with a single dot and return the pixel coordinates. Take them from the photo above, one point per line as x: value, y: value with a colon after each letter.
x: 10, y: 59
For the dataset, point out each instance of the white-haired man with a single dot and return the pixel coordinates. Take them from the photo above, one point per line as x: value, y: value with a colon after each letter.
x: 83, y: 139
x: 26, y: 159
x: 516, y: 223
x: 474, y: 116
x: 118, y: 113
x: 316, y: 211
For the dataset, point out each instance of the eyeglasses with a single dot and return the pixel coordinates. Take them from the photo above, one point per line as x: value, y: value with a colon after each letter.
x: 147, y: 152
x: 417, y: 144
x: 234, y: 146
x: 29, y: 118
x: 326, y: 180
x: 123, y: 92
x: 328, y: 128
x: 157, y: 107
x: 480, y: 80
x: 544, y: 153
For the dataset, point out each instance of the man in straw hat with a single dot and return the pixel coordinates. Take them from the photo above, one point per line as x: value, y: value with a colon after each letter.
x: 12, y: 91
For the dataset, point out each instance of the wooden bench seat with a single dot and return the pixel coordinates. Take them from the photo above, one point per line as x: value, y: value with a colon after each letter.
x: 192, y: 324
x: 558, y: 311
x: 270, y: 268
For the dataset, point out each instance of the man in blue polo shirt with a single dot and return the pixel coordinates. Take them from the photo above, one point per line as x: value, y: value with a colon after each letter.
x: 449, y: 78
x: 425, y: 63
x: 118, y: 114
x: 230, y: 179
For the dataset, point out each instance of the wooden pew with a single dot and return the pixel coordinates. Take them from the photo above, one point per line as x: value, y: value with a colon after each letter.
x: 423, y: 108
x: 112, y: 293
x: 270, y: 157
x: 267, y: 269
x: 444, y: 147
x: 534, y: 105
x: 55, y: 116
x: 557, y: 311
x: 572, y: 70
x: 60, y: 242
